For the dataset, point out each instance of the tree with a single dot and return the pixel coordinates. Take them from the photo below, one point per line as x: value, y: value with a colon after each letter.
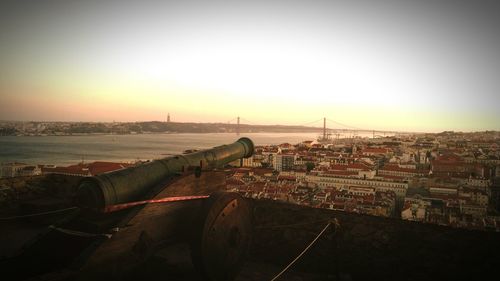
x: 310, y: 166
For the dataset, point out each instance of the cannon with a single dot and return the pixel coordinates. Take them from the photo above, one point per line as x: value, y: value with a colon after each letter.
x: 99, y: 241
x: 129, y: 184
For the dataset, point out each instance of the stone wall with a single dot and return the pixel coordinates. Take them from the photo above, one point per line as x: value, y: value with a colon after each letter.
x: 370, y: 248
x: 22, y: 190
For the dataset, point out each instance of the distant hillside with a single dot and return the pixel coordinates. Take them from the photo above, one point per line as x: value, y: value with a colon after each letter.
x: 219, y: 128
x: 70, y: 128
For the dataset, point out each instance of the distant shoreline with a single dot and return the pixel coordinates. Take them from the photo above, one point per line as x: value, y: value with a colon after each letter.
x: 155, y: 133
x: 17, y: 128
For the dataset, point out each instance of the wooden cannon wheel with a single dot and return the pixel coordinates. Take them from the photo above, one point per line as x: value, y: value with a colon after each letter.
x: 222, y: 241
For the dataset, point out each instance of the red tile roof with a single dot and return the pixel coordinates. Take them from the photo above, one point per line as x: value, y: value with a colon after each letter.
x: 262, y: 171
x: 286, y: 177
x: 391, y: 177
x: 358, y: 166
x: 340, y: 173
x: 233, y: 181
x: 376, y: 150
x: 88, y: 169
x: 104, y: 167
x: 393, y: 167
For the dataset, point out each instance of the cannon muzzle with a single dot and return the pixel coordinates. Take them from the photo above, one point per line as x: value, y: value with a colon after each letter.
x: 133, y: 183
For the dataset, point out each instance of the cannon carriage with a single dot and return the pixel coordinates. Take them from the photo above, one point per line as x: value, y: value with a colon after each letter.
x: 124, y: 217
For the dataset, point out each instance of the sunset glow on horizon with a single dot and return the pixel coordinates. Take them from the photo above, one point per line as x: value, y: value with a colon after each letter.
x: 391, y: 66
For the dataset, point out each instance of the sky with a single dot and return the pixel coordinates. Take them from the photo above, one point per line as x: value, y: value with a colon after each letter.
x: 426, y: 65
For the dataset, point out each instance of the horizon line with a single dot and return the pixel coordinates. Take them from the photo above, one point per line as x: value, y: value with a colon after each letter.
x: 246, y: 124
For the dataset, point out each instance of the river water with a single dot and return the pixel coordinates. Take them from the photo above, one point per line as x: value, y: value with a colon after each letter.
x: 65, y: 150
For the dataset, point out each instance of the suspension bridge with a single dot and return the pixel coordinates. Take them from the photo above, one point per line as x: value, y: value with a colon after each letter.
x: 326, y: 129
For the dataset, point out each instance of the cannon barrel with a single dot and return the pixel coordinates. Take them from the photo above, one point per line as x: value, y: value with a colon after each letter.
x: 130, y: 184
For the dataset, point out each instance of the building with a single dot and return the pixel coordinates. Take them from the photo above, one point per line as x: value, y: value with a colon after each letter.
x: 10, y: 170
x: 326, y: 180
x: 414, y: 208
x: 284, y: 162
x: 401, y: 171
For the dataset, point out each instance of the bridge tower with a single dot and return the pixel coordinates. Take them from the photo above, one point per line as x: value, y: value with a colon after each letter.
x: 238, y: 126
x: 324, y: 128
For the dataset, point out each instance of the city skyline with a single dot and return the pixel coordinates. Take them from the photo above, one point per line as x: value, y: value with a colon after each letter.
x: 384, y: 65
